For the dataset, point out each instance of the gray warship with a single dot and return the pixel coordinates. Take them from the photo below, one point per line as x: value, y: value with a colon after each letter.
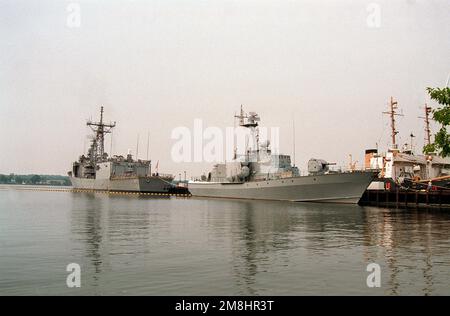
x: 98, y: 171
x: 262, y: 175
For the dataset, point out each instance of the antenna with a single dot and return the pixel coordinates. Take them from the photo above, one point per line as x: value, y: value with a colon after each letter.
x: 250, y: 121
x: 234, y: 138
x: 427, y: 123
x: 412, y: 141
x: 111, y: 145
x: 84, y: 145
x: 137, y: 147
x: 148, y: 142
x: 241, y: 116
x: 246, y: 148
x: 393, y: 106
x: 293, y: 133
x: 97, y: 150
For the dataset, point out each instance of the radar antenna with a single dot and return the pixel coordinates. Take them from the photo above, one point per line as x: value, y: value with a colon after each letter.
x: 250, y: 121
x: 97, y: 150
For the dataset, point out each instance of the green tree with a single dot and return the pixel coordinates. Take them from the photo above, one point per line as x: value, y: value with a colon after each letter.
x: 441, y: 115
x: 3, y: 178
x: 18, y: 179
x: 35, y: 179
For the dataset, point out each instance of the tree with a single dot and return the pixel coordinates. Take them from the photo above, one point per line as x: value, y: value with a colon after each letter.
x: 35, y: 179
x: 18, y: 179
x: 3, y: 178
x: 442, y: 116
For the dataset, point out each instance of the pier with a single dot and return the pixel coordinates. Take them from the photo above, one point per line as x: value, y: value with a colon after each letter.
x: 400, y: 198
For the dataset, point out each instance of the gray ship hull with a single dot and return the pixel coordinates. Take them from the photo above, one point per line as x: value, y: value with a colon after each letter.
x: 333, y: 188
x: 134, y: 184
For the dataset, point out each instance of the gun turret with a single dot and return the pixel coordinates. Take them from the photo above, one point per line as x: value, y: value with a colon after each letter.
x: 318, y: 166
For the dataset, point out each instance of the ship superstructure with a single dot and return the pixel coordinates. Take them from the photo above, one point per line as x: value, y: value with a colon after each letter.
x: 400, y: 166
x: 98, y: 171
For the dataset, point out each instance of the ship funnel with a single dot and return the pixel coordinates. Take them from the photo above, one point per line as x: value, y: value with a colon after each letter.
x: 370, y: 153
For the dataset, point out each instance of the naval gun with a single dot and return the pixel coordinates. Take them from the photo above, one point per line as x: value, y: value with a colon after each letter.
x: 237, y: 171
x: 319, y: 166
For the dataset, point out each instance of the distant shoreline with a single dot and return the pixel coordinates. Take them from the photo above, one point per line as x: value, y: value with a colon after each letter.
x: 35, y: 185
x: 35, y: 179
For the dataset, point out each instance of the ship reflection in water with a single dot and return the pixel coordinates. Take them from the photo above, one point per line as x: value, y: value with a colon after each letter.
x: 132, y: 245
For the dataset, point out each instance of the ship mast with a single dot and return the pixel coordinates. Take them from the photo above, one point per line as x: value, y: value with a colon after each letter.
x: 293, y: 137
x: 412, y: 136
x: 97, y: 149
x: 241, y: 116
x: 250, y: 121
x: 427, y: 123
x: 393, y: 106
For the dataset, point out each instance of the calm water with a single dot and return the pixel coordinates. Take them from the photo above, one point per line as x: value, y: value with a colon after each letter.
x: 158, y: 246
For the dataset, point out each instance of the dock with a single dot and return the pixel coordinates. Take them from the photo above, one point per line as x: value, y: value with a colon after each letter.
x: 400, y: 198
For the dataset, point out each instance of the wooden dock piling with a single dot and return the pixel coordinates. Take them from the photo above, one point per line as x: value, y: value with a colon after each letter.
x: 399, y: 198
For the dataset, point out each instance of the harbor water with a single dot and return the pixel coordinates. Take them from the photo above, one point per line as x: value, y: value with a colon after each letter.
x: 147, y: 245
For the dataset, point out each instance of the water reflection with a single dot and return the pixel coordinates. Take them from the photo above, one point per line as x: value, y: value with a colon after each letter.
x: 408, y: 240
x: 87, y: 227
x: 401, y: 241
x: 261, y: 238
x: 112, y: 230
x: 262, y: 229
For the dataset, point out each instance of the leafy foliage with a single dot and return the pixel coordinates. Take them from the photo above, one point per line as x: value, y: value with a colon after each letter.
x: 441, y: 115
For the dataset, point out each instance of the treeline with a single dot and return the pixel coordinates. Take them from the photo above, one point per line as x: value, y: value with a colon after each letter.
x: 34, y: 179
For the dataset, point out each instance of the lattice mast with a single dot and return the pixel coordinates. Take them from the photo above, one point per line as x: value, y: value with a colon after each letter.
x: 393, y: 106
x: 426, y: 119
x: 249, y: 121
x: 97, y: 150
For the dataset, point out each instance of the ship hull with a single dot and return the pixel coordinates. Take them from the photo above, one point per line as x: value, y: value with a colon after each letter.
x: 332, y: 188
x: 134, y: 184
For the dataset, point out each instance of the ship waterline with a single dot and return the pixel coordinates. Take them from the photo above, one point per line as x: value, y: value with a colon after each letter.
x: 332, y: 188
x: 133, y: 184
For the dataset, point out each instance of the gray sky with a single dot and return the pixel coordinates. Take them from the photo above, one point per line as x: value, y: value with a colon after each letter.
x: 156, y: 65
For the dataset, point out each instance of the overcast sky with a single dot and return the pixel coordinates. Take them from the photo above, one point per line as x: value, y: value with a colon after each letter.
x: 157, y: 65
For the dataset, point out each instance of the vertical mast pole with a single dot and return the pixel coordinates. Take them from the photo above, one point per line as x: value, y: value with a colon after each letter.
x: 427, y: 123
x: 234, y: 138
x: 392, y: 112
x: 412, y: 141
x: 97, y: 149
x: 137, y: 147
x: 293, y: 138
x: 148, y: 143
x: 111, y: 146
x: 394, y: 132
x: 101, y: 135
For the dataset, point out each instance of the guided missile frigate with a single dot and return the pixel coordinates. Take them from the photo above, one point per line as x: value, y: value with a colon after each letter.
x: 97, y: 171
